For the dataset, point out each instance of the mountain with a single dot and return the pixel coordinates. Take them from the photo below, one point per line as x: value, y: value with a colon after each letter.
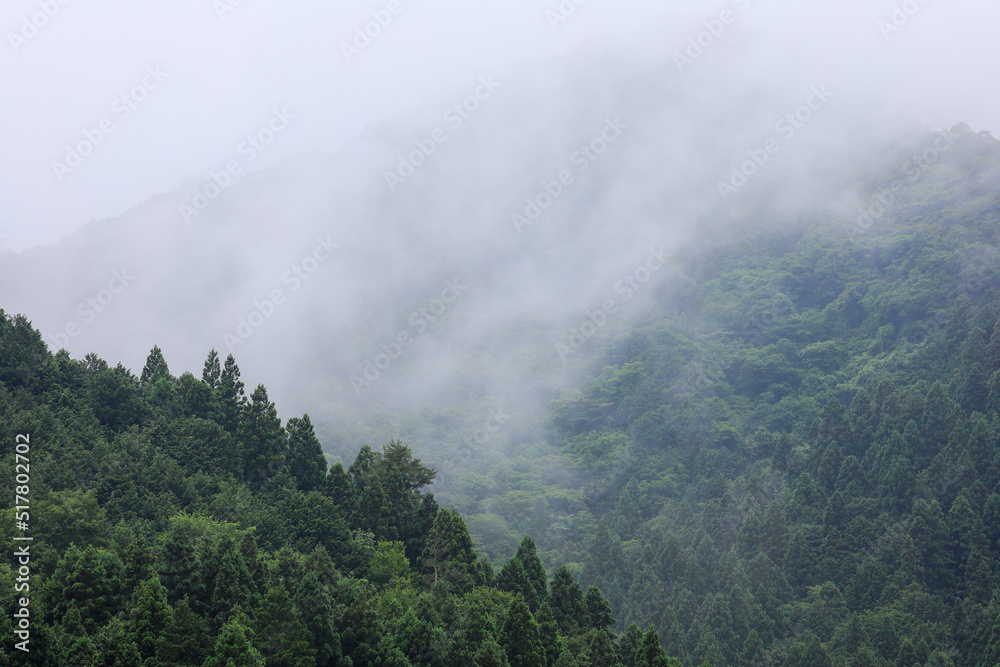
x: 733, y: 366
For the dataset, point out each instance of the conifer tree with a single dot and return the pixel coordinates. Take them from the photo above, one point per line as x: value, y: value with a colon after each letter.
x: 262, y: 438
x: 115, y: 649
x: 281, y: 636
x: 306, y: 461
x: 490, y: 654
x: 155, y: 368
x: 566, y: 600
x: 601, y: 650
x: 185, y: 640
x: 234, y: 586
x: 597, y: 609
x: 211, y: 374
x: 521, y: 639
x: 650, y: 653
x: 231, y: 395
x: 316, y: 604
x: 629, y: 644
x: 548, y: 632
x: 753, y: 651
x: 76, y: 649
x: 808, y: 653
x: 149, y: 617
x: 234, y: 647
x: 449, y: 555
x: 340, y: 488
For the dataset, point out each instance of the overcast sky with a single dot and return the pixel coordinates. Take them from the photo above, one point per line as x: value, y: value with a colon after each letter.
x: 222, y: 71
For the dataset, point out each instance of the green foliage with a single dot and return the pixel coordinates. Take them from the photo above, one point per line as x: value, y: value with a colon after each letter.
x: 282, y: 637
x: 185, y: 640
x: 521, y: 638
x: 790, y: 459
x: 198, y: 531
x: 263, y: 440
x: 234, y: 647
x: 306, y: 462
x: 449, y: 556
x: 389, y: 562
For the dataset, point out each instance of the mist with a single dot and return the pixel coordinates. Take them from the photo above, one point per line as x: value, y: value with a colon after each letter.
x: 442, y: 216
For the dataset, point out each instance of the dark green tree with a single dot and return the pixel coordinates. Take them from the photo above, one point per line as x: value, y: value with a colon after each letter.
x: 264, y: 441
x: 306, y: 461
x: 316, y: 604
x: 520, y: 638
x: 185, y: 640
x: 211, y: 374
x: 76, y: 649
x: 566, y: 600
x: 597, y: 609
x: 115, y: 649
x: 155, y: 368
x: 650, y: 653
x: 148, y: 617
x: 281, y: 636
x: 234, y: 647
x: 449, y: 555
x: 231, y: 396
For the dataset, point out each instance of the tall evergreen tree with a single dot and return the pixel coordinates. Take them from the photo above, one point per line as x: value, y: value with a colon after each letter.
x: 548, y: 631
x: 211, y: 374
x: 524, y: 574
x: 149, y: 617
x: 318, y: 610
x: 521, y: 638
x: 566, y: 600
x: 449, y: 555
x: 281, y: 636
x: 76, y: 649
x: 234, y: 647
x: 185, y: 640
x: 650, y: 653
x: 597, y: 609
x: 155, y: 368
x: 306, y: 461
x: 263, y: 439
x: 231, y: 395
x: 115, y: 649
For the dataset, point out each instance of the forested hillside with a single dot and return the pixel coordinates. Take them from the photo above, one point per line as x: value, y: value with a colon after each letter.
x: 794, y: 460
x: 177, y: 521
x: 791, y: 457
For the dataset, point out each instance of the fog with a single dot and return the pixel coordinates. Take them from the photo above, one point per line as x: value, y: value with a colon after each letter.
x: 431, y: 222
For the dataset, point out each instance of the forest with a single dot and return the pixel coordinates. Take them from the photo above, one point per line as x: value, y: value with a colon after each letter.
x: 791, y: 459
